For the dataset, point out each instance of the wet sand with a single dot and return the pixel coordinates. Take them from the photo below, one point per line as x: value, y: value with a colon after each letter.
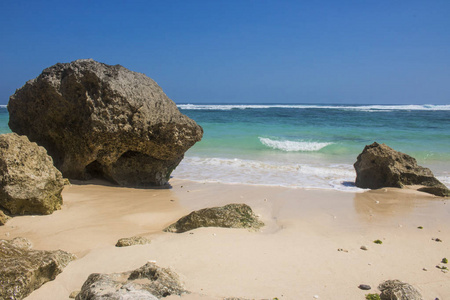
x: 295, y: 256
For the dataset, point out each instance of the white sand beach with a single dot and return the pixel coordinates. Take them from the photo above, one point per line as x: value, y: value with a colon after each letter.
x: 295, y: 256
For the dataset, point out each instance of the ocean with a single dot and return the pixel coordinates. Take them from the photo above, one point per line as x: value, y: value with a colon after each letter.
x: 306, y: 146
x: 309, y: 146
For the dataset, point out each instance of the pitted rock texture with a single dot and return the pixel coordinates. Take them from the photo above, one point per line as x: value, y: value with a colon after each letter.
x: 22, y: 269
x: 381, y: 166
x: 397, y: 290
x: 103, y: 121
x: 228, y: 216
x: 3, y: 218
x: 131, y: 241
x: 30, y: 184
x: 149, y: 282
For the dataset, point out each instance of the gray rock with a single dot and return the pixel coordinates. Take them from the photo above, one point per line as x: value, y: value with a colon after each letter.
x: 364, y: 287
x: 397, y: 290
x: 30, y: 184
x: 381, y: 166
x: 103, y: 121
x: 22, y: 269
x: 228, y: 216
x: 148, y: 282
x: 135, y: 240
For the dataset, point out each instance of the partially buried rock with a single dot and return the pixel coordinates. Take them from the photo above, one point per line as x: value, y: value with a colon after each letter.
x: 381, y: 166
x: 102, y: 121
x: 30, y: 184
x: 135, y: 240
x: 397, y: 290
x: 22, y: 269
x: 228, y: 216
x: 148, y: 282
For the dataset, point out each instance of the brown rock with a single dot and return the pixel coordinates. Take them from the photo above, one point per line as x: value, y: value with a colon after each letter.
x: 98, y: 120
x: 135, y: 240
x: 30, y: 184
x: 381, y: 166
x: 22, y: 270
x: 228, y: 216
x: 3, y: 218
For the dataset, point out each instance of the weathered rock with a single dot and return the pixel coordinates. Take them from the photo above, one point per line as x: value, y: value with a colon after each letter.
x: 397, y: 290
x: 135, y: 240
x: 22, y: 270
x: 74, y: 294
x: 364, y: 287
x: 228, y: 216
x: 148, y: 282
x: 30, y: 184
x: 98, y: 120
x: 381, y: 166
x: 3, y: 218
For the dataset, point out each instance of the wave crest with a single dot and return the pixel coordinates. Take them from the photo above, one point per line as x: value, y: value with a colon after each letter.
x: 291, y: 146
x: 366, y: 108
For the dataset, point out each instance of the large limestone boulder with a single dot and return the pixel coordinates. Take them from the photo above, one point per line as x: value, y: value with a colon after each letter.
x: 30, y: 184
x: 397, y: 290
x: 22, y: 270
x: 98, y: 120
x: 381, y: 166
x: 149, y: 282
x: 228, y: 216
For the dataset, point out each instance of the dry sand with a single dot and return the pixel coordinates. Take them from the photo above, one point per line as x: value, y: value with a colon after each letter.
x: 295, y: 256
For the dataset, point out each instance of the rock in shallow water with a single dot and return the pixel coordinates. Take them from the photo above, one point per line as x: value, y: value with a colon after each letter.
x: 98, y: 120
x: 22, y: 270
x: 30, y: 184
x: 381, y: 166
x: 228, y: 216
x: 148, y: 282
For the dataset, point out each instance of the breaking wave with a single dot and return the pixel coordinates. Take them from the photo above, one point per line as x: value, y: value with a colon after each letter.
x: 268, y: 173
x: 368, y: 108
x: 290, y: 146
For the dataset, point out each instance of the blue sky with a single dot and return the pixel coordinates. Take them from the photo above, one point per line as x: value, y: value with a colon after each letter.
x: 242, y: 51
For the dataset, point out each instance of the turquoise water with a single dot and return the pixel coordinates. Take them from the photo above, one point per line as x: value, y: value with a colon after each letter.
x: 309, y: 146
x: 312, y: 146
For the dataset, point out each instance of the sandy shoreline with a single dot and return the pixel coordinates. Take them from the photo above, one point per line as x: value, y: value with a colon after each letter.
x: 293, y: 257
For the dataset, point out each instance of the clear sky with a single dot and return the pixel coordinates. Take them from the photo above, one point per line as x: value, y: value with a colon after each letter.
x: 362, y: 51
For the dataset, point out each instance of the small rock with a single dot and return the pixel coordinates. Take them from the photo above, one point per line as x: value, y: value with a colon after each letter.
x: 425, y: 269
x: 365, y: 287
x: 437, y: 239
x: 364, y: 248
x: 74, y: 294
x: 342, y: 250
x: 316, y: 297
x: 135, y: 240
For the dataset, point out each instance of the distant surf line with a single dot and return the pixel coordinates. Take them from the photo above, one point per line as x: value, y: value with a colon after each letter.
x: 370, y: 108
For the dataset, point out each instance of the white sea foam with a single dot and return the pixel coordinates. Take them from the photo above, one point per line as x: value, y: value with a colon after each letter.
x: 268, y: 173
x: 289, y: 146
x: 367, y: 108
